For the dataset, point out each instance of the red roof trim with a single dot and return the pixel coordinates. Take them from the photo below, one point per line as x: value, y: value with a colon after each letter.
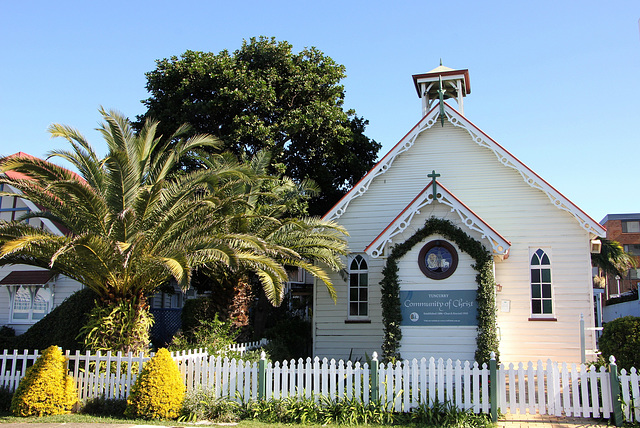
x: 524, y: 165
x: 397, y: 217
x: 418, y: 197
x: 595, y: 224
x: 355, y: 186
x: 19, y: 176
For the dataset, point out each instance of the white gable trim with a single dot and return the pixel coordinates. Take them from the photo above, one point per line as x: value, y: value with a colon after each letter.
x: 483, y: 140
x: 531, y: 178
x: 499, y: 245
x: 383, y: 166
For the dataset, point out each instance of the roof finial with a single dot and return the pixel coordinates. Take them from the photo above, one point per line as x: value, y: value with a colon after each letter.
x: 440, y: 61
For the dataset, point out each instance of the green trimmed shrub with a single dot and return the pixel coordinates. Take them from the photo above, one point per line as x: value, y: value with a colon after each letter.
x: 46, y: 389
x: 158, y: 392
x: 101, y: 406
x: 7, y: 337
x: 621, y: 338
x: 289, y: 338
x: 193, y: 312
x: 5, y: 399
x: 60, y: 327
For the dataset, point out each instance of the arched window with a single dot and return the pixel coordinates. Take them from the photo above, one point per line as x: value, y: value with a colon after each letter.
x: 29, y: 303
x: 358, y: 288
x: 541, y: 295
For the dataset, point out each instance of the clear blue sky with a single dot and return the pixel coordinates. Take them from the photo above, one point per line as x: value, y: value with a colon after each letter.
x: 554, y: 82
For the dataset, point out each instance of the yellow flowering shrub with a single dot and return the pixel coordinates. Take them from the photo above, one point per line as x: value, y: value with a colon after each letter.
x: 46, y: 388
x: 158, y: 392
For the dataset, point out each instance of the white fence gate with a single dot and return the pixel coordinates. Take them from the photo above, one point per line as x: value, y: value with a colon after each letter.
x: 558, y: 389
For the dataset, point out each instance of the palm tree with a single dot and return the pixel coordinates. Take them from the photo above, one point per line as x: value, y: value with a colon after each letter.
x: 134, y: 223
x: 302, y: 242
x: 613, y: 259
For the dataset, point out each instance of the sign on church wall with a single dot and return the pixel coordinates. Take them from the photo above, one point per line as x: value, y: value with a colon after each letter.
x: 438, y: 308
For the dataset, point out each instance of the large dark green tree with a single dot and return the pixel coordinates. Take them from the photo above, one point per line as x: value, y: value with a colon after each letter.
x: 265, y: 96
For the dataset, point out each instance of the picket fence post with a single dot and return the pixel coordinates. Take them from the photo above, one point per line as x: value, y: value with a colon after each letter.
x: 262, y: 376
x: 374, y: 377
x: 615, y: 392
x: 493, y: 387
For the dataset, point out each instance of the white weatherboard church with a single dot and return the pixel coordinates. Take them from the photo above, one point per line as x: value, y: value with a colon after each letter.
x: 447, y: 168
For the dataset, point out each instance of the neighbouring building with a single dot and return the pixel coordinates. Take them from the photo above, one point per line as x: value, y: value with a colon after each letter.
x: 625, y: 229
x: 29, y: 292
x: 447, y: 168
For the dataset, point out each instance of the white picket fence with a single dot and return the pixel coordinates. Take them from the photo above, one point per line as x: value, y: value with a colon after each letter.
x: 558, y: 389
x: 407, y: 384
x: 630, y: 391
x: 549, y: 389
x: 242, y: 348
x: 317, y: 378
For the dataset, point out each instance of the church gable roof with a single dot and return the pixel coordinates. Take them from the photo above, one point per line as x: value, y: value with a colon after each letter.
x: 499, y: 245
x: 481, y: 139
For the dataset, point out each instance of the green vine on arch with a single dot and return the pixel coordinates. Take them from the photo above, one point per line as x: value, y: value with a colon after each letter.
x: 487, y: 338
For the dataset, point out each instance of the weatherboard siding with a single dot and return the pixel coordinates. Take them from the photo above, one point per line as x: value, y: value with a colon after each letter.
x: 498, y: 194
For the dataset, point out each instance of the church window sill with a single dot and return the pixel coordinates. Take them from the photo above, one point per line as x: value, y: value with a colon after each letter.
x: 357, y: 321
x: 543, y: 319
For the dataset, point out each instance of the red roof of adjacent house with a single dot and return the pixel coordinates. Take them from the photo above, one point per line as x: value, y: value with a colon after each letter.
x: 14, y: 175
x: 18, y: 175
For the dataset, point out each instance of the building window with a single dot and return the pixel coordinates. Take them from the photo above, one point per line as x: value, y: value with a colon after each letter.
x: 358, y: 288
x: 633, y: 249
x: 11, y: 207
x: 631, y: 226
x: 633, y: 274
x: 29, y: 303
x: 541, y: 298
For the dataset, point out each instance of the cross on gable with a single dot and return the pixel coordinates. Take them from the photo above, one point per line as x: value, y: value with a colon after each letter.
x: 433, y: 177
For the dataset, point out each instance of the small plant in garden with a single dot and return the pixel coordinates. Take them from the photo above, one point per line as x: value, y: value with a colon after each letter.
x: 446, y: 414
x: 45, y: 389
x: 214, y: 335
x: 158, y: 392
x: 203, y: 404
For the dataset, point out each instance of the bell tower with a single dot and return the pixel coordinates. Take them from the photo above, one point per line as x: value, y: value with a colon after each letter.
x: 442, y: 83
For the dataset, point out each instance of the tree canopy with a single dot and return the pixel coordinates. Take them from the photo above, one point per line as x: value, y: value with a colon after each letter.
x: 133, y: 224
x: 265, y: 96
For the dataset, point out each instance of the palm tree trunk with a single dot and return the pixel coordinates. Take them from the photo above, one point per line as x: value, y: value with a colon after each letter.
x: 119, y: 325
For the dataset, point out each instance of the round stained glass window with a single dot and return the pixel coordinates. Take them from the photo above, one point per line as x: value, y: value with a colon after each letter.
x: 438, y: 259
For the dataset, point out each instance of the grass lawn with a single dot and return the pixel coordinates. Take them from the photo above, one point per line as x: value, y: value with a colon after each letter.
x: 75, y: 418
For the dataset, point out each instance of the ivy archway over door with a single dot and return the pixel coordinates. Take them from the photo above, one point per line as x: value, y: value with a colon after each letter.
x: 487, y: 337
